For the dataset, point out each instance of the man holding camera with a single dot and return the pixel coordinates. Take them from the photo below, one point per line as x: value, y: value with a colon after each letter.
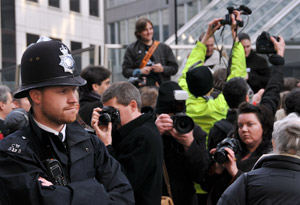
x: 134, y: 140
x: 185, y: 152
x: 54, y: 160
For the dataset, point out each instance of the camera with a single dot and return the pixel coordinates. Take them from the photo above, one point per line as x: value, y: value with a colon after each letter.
x: 244, y: 10
x: 264, y: 45
x: 109, y: 114
x: 136, y: 81
x: 181, y: 122
x: 151, y: 80
x: 220, y: 155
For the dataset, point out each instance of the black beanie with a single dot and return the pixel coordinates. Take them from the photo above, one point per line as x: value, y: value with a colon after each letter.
x: 165, y: 102
x: 199, y: 80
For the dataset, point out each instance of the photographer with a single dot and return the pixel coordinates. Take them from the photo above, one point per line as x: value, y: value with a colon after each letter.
x: 185, y: 154
x: 148, y: 58
x: 253, y: 130
x: 275, y: 176
x: 257, y: 66
x: 133, y: 139
x: 198, y: 79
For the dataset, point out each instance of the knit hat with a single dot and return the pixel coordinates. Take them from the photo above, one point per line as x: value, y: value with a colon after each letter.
x: 199, y: 80
x: 165, y: 101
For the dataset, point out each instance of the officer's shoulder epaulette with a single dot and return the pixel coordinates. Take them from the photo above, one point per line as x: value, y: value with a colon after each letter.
x: 15, y: 142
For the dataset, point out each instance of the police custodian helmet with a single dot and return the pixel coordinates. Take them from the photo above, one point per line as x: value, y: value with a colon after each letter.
x: 47, y: 63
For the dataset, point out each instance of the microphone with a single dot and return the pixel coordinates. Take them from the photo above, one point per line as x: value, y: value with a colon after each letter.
x: 245, y: 10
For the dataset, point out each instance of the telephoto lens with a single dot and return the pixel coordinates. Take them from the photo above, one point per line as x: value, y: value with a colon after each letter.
x: 182, y: 123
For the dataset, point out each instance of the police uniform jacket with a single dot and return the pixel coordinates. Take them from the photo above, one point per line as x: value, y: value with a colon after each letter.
x: 273, y: 180
x: 163, y: 54
x: 185, y: 167
x: 93, y: 176
x: 138, y: 147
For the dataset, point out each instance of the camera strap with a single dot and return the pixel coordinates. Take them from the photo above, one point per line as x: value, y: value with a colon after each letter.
x: 149, y: 54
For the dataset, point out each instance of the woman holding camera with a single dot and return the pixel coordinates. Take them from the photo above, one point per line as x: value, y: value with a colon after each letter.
x: 253, y: 130
x: 146, y: 57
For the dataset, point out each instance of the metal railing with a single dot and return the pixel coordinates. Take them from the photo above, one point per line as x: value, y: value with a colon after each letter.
x: 113, y: 57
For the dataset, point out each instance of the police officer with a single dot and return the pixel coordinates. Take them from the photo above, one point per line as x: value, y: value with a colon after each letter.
x: 54, y: 160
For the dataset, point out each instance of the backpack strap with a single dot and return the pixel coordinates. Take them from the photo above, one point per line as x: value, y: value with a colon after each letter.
x: 149, y: 54
x: 224, y: 125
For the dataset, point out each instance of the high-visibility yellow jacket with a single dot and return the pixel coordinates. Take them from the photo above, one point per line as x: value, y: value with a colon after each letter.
x: 206, y: 112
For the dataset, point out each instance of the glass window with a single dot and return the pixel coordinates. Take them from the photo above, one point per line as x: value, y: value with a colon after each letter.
x: 54, y: 3
x: 155, y: 21
x: 77, y: 57
x: 192, y: 9
x: 122, y: 32
x: 180, y: 16
x: 31, y: 38
x: 94, y: 7
x: 165, y: 19
x: 92, y: 55
x: 33, y: 0
x: 75, y: 5
x: 131, y: 30
x: 112, y: 33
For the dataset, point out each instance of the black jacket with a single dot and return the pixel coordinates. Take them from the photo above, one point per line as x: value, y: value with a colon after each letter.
x: 163, y: 55
x: 216, y: 184
x: 185, y: 167
x: 273, y: 180
x: 138, y: 147
x: 88, y: 101
x: 93, y: 176
x: 259, y: 74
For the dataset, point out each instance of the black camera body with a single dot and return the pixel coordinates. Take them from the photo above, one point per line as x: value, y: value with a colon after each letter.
x: 109, y: 114
x: 244, y: 10
x: 220, y: 155
x: 181, y: 122
x: 136, y: 81
x: 264, y: 45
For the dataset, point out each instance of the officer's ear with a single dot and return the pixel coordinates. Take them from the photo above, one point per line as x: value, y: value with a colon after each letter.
x: 35, y: 95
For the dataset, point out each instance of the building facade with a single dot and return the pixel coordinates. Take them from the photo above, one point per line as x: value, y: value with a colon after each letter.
x: 121, y: 15
x: 77, y: 23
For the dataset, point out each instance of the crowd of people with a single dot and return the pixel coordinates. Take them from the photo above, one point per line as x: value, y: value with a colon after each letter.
x: 225, y: 133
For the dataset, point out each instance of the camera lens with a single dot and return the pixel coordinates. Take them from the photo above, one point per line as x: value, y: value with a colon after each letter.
x: 221, y: 156
x: 183, y: 124
x: 104, y: 119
